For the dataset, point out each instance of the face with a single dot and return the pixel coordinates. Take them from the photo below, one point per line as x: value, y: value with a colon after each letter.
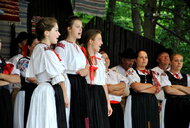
x: 177, y: 62
x: 163, y: 59
x: 107, y: 60
x: 34, y: 43
x: 127, y: 63
x: 96, y: 43
x: 76, y: 29
x: 54, y: 34
x: 142, y: 59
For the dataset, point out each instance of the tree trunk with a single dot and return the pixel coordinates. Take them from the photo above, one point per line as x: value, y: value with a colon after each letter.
x: 111, y: 10
x: 149, y: 25
x: 178, y: 22
x: 136, y: 18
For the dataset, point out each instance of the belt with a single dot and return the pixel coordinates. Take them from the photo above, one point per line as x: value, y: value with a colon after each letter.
x: 114, y: 102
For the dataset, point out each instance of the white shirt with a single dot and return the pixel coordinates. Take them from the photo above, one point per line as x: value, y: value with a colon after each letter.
x: 22, y: 65
x: 100, y: 73
x: 72, y: 56
x: 15, y: 59
x: 45, y: 65
x: 166, y: 82
x: 159, y: 71
x: 134, y: 77
x: 115, y: 78
x: 119, y: 69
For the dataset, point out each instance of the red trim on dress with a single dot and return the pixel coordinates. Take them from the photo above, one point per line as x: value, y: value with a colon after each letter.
x: 114, y: 102
x: 8, y: 68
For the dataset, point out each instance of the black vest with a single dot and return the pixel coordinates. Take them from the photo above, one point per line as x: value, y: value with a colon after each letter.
x: 143, y: 79
x: 175, y: 81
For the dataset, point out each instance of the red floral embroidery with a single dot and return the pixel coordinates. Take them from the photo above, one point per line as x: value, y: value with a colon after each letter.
x: 61, y: 45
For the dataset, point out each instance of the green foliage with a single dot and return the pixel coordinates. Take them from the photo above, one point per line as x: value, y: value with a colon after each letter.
x: 123, y: 18
x: 123, y: 15
x: 84, y: 17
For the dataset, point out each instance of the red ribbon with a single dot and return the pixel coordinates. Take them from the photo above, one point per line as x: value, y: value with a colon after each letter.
x: 145, y: 71
x: 84, y: 51
x: 176, y: 76
x: 94, y: 57
x: 57, y: 55
x: 92, y: 70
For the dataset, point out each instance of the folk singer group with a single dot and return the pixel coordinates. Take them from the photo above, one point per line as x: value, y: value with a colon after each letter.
x: 70, y: 85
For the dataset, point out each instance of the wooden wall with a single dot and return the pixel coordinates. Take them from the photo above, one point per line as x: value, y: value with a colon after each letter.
x: 5, y: 28
x: 117, y: 39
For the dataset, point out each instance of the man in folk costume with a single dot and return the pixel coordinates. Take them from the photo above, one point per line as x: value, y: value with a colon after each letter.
x: 127, y: 60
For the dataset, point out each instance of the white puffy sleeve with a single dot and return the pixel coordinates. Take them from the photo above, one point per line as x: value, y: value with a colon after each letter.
x: 45, y: 61
x: 36, y: 63
x: 122, y: 78
x: 132, y: 76
x: 62, y: 51
x: 53, y: 67
x: 165, y: 80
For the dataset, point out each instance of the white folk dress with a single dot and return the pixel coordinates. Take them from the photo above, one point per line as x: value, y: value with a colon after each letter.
x: 73, y: 60
x: 97, y: 96
x: 46, y: 67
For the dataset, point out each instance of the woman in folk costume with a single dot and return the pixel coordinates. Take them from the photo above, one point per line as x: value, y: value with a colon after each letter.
x: 117, y: 87
x: 49, y: 99
x: 74, y: 61
x: 100, y: 107
x: 20, y: 50
x: 141, y: 109
x: 8, y: 74
x: 176, y: 85
x: 22, y: 101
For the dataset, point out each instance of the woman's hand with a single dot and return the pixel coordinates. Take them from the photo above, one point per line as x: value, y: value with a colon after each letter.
x: 83, y: 72
x: 66, y: 99
x: 109, y: 110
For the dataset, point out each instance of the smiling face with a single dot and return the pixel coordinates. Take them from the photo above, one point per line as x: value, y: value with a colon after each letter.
x: 142, y: 59
x: 53, y: 34
x: 75, y: 31
x: 96, y: 43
